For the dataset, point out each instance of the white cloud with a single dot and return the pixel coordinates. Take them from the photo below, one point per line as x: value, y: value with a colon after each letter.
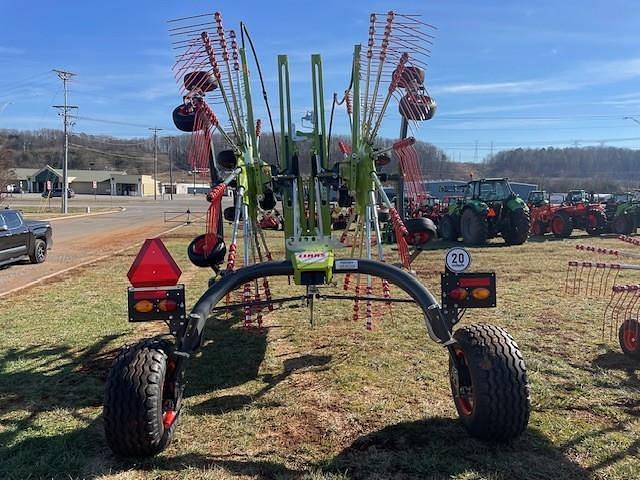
x: 584, y: 75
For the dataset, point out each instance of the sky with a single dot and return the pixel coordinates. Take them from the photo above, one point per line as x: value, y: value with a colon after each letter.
x: 505, y: 74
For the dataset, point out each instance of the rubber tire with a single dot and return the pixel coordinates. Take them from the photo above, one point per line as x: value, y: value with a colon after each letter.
x: 421, y: 231
x: 474, y: 228
x: 632, y: 325
x: 38, y: 256
x: 539, y: 228
x: 601, y: 223
x: 183, y: 121
x: 566, y: 228
x: 623, y: 225
x: 518, y: 229
x: 448, y: 229
x: 497, y: 374
x: 199, y: 259
x: 226, y: 159
x: 133, y: 403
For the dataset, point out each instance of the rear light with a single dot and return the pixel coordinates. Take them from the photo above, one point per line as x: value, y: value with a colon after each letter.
x: 474, y: 281
x: 480, y: 293
x: 491, y: 213
x: 167, y: 305
x: 143, y: 306
x: 458, y: 294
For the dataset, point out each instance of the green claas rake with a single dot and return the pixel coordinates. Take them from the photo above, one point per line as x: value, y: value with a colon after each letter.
x: 145, y: 386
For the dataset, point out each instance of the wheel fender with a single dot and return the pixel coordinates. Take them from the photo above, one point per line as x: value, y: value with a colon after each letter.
x: 517, y: 203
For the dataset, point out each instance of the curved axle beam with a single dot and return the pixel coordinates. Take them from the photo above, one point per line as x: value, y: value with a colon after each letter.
x: 438, y: 326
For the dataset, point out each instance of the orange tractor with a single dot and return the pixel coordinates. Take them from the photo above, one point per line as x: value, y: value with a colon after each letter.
x: 541, y: 212
x: 578, y: 211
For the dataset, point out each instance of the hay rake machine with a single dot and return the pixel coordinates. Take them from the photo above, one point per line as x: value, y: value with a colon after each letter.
x: 601, y: 278
x: 145, y: 385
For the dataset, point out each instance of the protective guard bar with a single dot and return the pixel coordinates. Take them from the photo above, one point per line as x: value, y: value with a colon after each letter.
x: 438, y: 326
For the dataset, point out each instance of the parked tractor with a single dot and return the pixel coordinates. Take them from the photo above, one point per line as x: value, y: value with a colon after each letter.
x: 623, y: 213
x: 579, y: 211
x: 541, y: 211
x: 488, y: 208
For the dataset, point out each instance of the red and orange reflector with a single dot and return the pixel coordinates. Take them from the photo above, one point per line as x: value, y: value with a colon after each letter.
x: 143, y: 306
x: 458, y: 294
x: 167, y: 305
x: 481, y: 293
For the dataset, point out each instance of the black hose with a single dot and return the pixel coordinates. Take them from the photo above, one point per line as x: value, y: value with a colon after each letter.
x: 243, y: 31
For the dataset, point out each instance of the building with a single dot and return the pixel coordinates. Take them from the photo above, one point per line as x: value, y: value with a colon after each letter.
x: 100, y: 182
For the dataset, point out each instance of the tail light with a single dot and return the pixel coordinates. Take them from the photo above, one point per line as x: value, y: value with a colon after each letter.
x: 458, y: 294
x: 468, y: 290
x: 143, y: 306
x: 148, y: 303
x: 481, y: 293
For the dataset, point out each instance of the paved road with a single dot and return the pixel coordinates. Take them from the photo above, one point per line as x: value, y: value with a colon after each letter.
x: 76, y: 240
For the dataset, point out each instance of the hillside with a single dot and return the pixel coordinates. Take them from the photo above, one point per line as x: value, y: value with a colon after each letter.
x: 38, y: 148
x: 560, y: 169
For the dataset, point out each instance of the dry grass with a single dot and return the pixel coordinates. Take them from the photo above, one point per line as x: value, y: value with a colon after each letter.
x: 328, y: 401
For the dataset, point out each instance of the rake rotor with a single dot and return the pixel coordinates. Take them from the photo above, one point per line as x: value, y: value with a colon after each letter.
x: 212, y: 74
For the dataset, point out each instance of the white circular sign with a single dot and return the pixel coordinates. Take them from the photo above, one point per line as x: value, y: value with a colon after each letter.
x: 458, y: 259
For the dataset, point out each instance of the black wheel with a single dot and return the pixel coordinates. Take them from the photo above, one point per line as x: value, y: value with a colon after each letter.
x: 39, y: 253
x: 596, y: 223
x: 448, y: 229
x: 561, y: 225
x: 226, y: 159
x: 421, y: 231
x: 202, y: 81
x: 539, y: 228
x: 489, y: 383
x: 629, y: 337
x: 143, y: 399
x: 197, y: 253
x: 623, y: 225
x: 474, y: 228
x: 517, y: 230
x: 183, y: 119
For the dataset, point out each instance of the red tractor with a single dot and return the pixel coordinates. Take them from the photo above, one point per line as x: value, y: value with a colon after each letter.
x: 578, y: 211
x: 541, y: 212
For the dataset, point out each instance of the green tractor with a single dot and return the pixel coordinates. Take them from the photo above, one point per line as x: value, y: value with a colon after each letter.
x: 623, y: 212
x: 489, y: 208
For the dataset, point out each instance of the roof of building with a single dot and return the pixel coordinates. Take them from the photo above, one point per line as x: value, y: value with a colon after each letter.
x: 23, y: 173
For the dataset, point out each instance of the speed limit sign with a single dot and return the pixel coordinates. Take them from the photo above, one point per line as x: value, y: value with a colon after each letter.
x: 457, y: 259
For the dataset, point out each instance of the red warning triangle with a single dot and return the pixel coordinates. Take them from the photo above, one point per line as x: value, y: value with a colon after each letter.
x: 154, y: 266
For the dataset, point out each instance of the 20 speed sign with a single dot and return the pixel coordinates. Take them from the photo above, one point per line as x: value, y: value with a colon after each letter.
x: 457, y: 259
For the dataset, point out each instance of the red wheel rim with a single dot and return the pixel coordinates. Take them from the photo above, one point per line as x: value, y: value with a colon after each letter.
x: 558, y: 224
x: 421, y: 238
x: 630, y: 338
x: 465, y: 403
x: 168, y: 418
x: 169, y: 415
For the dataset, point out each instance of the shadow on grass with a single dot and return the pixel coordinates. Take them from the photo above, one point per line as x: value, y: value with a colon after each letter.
x: 43, y: 391
x: 441, y: 448
x: 232, y: 356
x: 432, y: 448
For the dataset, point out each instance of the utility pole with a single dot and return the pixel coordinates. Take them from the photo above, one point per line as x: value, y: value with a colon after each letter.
x: 155, y: 131
x: 65, y: 76
x: 170, y: 172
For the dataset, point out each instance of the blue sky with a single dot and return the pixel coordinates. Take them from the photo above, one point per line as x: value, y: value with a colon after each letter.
x: 512, y: 73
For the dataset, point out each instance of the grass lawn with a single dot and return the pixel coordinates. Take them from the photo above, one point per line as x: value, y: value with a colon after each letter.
x: 328, y: 401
